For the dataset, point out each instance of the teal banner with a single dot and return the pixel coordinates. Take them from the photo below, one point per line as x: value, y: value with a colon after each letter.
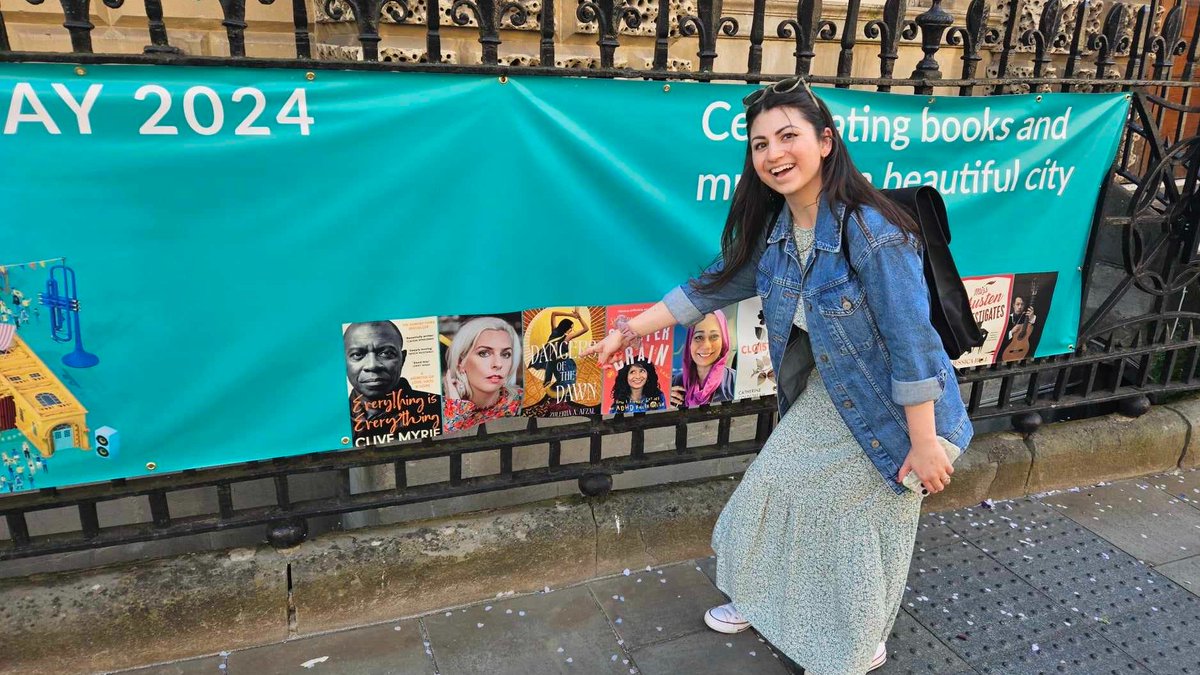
x: 183, y: 249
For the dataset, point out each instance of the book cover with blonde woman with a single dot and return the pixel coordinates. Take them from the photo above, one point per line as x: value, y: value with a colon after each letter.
x: 638, y: 379
x: 481, y: 369
x: 559, y: 382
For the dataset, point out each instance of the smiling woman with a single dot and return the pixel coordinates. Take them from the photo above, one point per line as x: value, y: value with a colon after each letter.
x: 814, y: 545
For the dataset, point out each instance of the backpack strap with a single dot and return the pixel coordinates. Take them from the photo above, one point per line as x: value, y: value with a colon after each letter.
x: 844, y: 222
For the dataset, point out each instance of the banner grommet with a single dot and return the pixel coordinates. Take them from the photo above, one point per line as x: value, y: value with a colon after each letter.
x: 80, y: 70
x: 310, y: 76
x: 503, y: 79
x: 150, y: 466
x: 666, y: 88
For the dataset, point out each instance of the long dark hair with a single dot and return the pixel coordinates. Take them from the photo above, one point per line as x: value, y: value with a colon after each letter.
x: 560, y: 331
x: 621, y: 389
x: 755, y: 205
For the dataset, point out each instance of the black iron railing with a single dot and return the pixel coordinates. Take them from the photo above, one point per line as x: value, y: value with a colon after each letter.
x: 1138, y: 333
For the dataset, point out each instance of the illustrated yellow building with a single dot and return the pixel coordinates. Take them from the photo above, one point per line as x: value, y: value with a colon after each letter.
x: 45, y: 411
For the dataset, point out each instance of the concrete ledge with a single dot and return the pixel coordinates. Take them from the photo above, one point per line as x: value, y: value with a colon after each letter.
x: 372, y: 575
x: 996, y: 466
x: 1189, y: 410
x: 114, y: 617
x: 1085, y: 452
x: 197, y: 604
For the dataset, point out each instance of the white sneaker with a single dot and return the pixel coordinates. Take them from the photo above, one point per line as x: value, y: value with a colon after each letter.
x: 725, y: 619
x: 880, y: 657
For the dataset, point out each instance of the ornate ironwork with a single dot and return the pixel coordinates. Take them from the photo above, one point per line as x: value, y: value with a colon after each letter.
x: 806, y: 28
x: 706, y: 27
x: 1047, y: 35
x: 234, y: 21
x: 608, y: 18
x: 662, y: 33
x: 159, y: 44
x: 1006, y: 47
x: 975, y: 35
x: 366, y: 16
x: 1077, y: 41
x: 487, y: 15
x: 1168, y: 44
x: 1110, y: 41
x: 889, y: 30
x: 76, y: 20
x: 546, y: 22
x: 300, y: 28
x: 1140, y: 40
x: 849, y: 39
x: 933, y: 23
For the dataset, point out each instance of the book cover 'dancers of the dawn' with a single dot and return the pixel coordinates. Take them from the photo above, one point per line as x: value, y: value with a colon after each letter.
x: 481, y: 369
x: 559, y: 381
x: 638, y: 380
x: 703, y: 370
x: 755, y: 375
x: 1011, y: 309
x: 392, y: 375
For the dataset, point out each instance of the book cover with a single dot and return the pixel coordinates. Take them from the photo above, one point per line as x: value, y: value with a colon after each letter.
x: 481, y: 369
x: 393, y: 380
x: 990, y: 299
x: 704, y: 366
x: 559, y: 381
x: 638, y: 380
x: 1031, y: 297
x: 755, y: 375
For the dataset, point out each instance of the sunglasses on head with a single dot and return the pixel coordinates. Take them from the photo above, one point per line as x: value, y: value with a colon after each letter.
x: 780, y: 87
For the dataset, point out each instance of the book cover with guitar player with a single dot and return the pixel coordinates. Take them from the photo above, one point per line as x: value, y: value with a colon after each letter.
x: 1028, y: 305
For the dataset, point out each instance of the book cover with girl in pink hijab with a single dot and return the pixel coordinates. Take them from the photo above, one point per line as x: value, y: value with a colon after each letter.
x: 705, y: 365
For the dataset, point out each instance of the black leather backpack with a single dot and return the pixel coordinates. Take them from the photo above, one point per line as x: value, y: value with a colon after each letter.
x: 949, y: 307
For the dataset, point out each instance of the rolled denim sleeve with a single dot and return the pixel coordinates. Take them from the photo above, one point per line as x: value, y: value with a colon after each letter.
x: 894, y: 278
x: 689, y: 304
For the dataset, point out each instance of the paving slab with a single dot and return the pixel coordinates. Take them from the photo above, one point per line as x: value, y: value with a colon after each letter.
x: 1183, y: 485
x: 913, y: 649
x: 210, y: 665
x: 1164, y: 639
x: 1078, y: 569
x: 1184, y: 572
x: 950, y: 564
x: 710, y: 652
x: 550, y: 633
x: 1072, y: 652
x: 659, y: 604
x: 709, y: 567
x: 983, y: 614
x: 1046, y: 545
x: 933, y: 530
x: 387, y: 649
x: 1136, y: 516
x: 979, y: 521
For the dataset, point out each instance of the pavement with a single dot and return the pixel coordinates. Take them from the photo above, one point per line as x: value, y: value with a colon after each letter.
x: 1090, y: 581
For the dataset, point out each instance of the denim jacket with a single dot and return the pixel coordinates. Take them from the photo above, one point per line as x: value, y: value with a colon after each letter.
x: 868, y: 323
